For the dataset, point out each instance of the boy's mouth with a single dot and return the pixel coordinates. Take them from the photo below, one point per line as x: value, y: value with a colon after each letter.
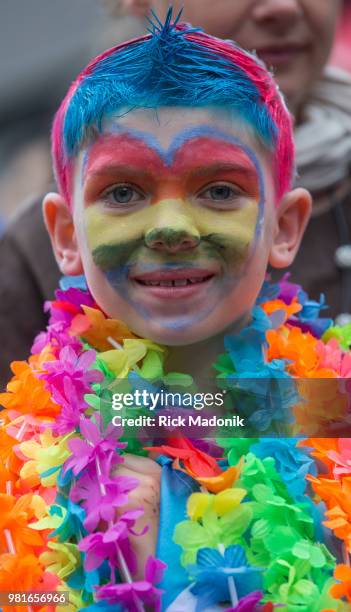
x: 174, y: 283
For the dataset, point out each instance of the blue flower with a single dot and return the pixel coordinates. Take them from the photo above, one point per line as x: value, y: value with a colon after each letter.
x: 292, y: 463
x: 72, y: 523
x: 82, y: 580
x: 222, y: 578
x: 247, y: 345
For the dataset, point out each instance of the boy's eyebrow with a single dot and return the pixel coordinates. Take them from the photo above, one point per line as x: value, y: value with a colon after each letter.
x: 221, y: 166
x: 113, y: 168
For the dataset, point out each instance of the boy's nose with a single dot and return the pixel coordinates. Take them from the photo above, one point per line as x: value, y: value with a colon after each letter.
x: 171, y: 240
x: 173, y: 230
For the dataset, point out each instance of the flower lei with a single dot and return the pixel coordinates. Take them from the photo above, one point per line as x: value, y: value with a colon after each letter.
x: 258, y: 533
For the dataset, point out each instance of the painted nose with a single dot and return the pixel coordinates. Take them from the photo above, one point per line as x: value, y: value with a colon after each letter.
x: 171, y: 240
x: 172, y: 229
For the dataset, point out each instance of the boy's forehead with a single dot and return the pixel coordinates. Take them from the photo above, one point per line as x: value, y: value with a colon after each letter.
x: 167, y: 132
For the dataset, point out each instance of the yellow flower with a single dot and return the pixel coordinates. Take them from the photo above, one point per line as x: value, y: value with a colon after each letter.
x: 198, y: 504
x: 223, y: 502
x: 121, y: 361
x: 45, y: 455
x: 62, y: 559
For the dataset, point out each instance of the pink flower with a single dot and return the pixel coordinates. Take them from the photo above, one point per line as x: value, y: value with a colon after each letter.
x: 57, y: 336
x: 142, y: 590
x: 72, y: 407
x: 112, y: 543
x: 342, y: 459
x: 75, y: 367
x: 100, y: 506
x: 333, y: 358
x: 94, y: 447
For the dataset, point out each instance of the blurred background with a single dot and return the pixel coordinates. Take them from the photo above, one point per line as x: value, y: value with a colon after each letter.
x: 43, y: 46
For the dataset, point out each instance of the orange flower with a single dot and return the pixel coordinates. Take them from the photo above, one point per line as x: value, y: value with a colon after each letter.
x: 38, y: 361
x: 339, y: 523
x: 322, y: 448
x: 19, y: 573
x: 323, y: 406
x: 342, y: 573
x: 95, y: 328
x: 14, y: 519
x: 288, y: 309
x: 300, y: 348
x: 27, y: 394
x: 225, y: 480
x: 6, y: 445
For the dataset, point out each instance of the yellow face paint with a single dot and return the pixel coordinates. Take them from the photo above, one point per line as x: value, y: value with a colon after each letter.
x: 116, y: 241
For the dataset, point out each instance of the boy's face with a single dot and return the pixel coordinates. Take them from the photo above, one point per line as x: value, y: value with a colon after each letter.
x: 292, y: 36
x: 175, y: 221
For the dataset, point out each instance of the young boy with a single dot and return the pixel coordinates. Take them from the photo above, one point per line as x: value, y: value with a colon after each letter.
x: 174, y: 160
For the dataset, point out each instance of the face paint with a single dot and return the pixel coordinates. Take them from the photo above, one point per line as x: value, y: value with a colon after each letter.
x: 188, y: 228
x: 223, y: 240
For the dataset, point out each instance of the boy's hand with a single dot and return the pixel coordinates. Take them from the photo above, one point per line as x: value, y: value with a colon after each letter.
x: 147, y: 496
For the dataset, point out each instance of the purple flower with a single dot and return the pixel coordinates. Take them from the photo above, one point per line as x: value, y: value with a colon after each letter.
x: 75, y: 296
x: 249, y: 603
x: 99, y: 506
x: 112, y: 543
x: 287, y: 291
x: 67, y: 305
x: 72, y: 366
x: 94, y: 447
x: 131, y: 593
x: 72, y: 407
x: 56, y: 335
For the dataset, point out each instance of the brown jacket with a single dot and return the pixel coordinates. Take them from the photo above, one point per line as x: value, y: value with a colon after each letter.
x: 28, y: 276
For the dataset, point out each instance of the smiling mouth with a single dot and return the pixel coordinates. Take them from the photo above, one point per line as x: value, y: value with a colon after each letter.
x: 174, y: 282
x: 179, y: 282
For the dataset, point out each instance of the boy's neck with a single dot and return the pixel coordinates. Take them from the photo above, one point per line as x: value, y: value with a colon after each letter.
x: 198, y: 359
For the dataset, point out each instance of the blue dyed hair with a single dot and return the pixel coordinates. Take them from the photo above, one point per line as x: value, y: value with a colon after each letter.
x: 175, y: 65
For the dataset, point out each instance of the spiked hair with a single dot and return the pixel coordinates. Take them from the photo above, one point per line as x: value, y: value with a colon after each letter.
x: 174, y: 65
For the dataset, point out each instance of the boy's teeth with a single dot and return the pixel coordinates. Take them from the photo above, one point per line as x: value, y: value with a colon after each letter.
x: 180, y: 282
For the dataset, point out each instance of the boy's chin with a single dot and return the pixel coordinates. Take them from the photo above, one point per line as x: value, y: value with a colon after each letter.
x: 178, y: 332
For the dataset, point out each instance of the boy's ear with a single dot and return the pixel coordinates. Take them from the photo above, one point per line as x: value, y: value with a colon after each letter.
x: 59, y: 223
x: 291, y: 220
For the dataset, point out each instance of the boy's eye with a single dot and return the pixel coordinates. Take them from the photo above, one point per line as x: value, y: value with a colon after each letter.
x: 221, y: 193
x: 123, y: 194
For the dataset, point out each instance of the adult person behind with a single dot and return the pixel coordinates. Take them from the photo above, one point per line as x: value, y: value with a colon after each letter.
x: 295, y: 38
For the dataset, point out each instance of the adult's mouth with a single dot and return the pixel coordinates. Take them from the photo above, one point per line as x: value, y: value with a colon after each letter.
x: 177, y: 283
x: 280, y: 55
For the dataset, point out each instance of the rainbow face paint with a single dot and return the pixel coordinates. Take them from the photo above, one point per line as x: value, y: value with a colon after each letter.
x: 172, y: 226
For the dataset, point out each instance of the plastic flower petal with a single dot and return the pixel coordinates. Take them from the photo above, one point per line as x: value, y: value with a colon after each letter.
x: 60, y: 559
x: 46, y: 457
x: 214, y: 572
x: 95, y: 328
x: 343, y: 589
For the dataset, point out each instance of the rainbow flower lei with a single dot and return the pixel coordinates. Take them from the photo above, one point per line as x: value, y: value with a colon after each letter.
x: 270, y: 516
